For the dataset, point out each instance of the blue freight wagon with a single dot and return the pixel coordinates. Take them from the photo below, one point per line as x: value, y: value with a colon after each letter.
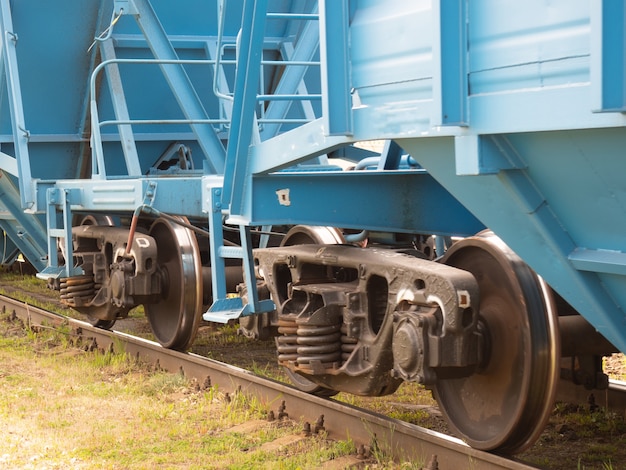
x: 206, y: 159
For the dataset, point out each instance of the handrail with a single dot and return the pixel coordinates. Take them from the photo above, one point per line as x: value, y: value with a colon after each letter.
x: 103, y: 64
x: 139, y: 122
x: 218, y: 49
x: 96, y: 137
x: 98, y: 168
x: 96, y: 124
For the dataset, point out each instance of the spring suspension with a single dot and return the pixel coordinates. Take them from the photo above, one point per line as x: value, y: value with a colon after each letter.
x: 319, y: 344
x: 287, y: 342
x: 348, y: 343
x: 311, y: 346
x: 77, y: 291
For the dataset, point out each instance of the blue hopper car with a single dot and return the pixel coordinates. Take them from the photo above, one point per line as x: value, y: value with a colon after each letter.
x: 429, y: 191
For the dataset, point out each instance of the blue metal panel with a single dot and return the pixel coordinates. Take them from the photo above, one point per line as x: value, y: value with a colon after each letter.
x: 528, y: 40
x: 450, y: 86
x: 511, y: 204
x: 179, y: 83
x: 53, y: 109
x: 608, y: 65
x: 173, y: 195
x: 391, y: 68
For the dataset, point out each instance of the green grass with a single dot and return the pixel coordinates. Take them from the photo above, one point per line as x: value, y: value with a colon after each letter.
x: 63, y: 407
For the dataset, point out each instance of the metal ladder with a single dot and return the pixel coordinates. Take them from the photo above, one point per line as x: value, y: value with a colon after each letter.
x: 248, y: 127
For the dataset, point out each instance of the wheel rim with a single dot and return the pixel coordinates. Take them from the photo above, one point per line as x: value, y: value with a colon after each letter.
x: 308, y: 386
x: 98, y: 323
x: 505, y: 405
x: 174, y: 319
x: 312, y: 235
x: 98, y: 219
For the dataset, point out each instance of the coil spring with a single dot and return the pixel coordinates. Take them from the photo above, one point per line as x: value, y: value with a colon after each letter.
x: 287, y: 343
x: 348, y: 344
x: 307, y: 344
x: 77, y: 290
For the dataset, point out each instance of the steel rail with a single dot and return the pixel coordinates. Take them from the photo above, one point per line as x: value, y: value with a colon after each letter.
x: 401, y: 440
x: 613, y: 398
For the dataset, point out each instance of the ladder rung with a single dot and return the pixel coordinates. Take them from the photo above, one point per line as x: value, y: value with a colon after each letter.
x: 56, y: 232
x: 288, y: 97
x: 229, y: 252
x: 292, y: 16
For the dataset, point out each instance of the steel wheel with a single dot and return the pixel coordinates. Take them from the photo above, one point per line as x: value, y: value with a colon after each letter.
x: 98, y: 323
x: 98, y: 219
x: 312, y: 235
x: 308, y: 235
x: 308, y: 386
x: 174, y: 319
x: 505, y: 405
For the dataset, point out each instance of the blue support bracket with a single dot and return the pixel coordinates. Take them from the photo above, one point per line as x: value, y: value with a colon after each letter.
x: 599, y: 261
x: 292, y: 147
x: 225, y: 308
x: 390, y: 156
x: 120, y: 107
x: 250, y: 53
x: 335, y: 66
x: 125, y: 6
x: 450, y: 63
x: 218, y: 266
x: 255, y: 305
x: 608, y: 59
x: 485, y: 155
x: 296, y: 198
x: 60, y: 230
x: 25, y: 230
x: 21, y: 135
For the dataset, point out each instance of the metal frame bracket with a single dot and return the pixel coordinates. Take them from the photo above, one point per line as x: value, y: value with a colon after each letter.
x: 60, y: 229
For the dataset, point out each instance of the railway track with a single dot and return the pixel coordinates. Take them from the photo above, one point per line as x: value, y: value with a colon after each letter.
x: 399, y: 440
